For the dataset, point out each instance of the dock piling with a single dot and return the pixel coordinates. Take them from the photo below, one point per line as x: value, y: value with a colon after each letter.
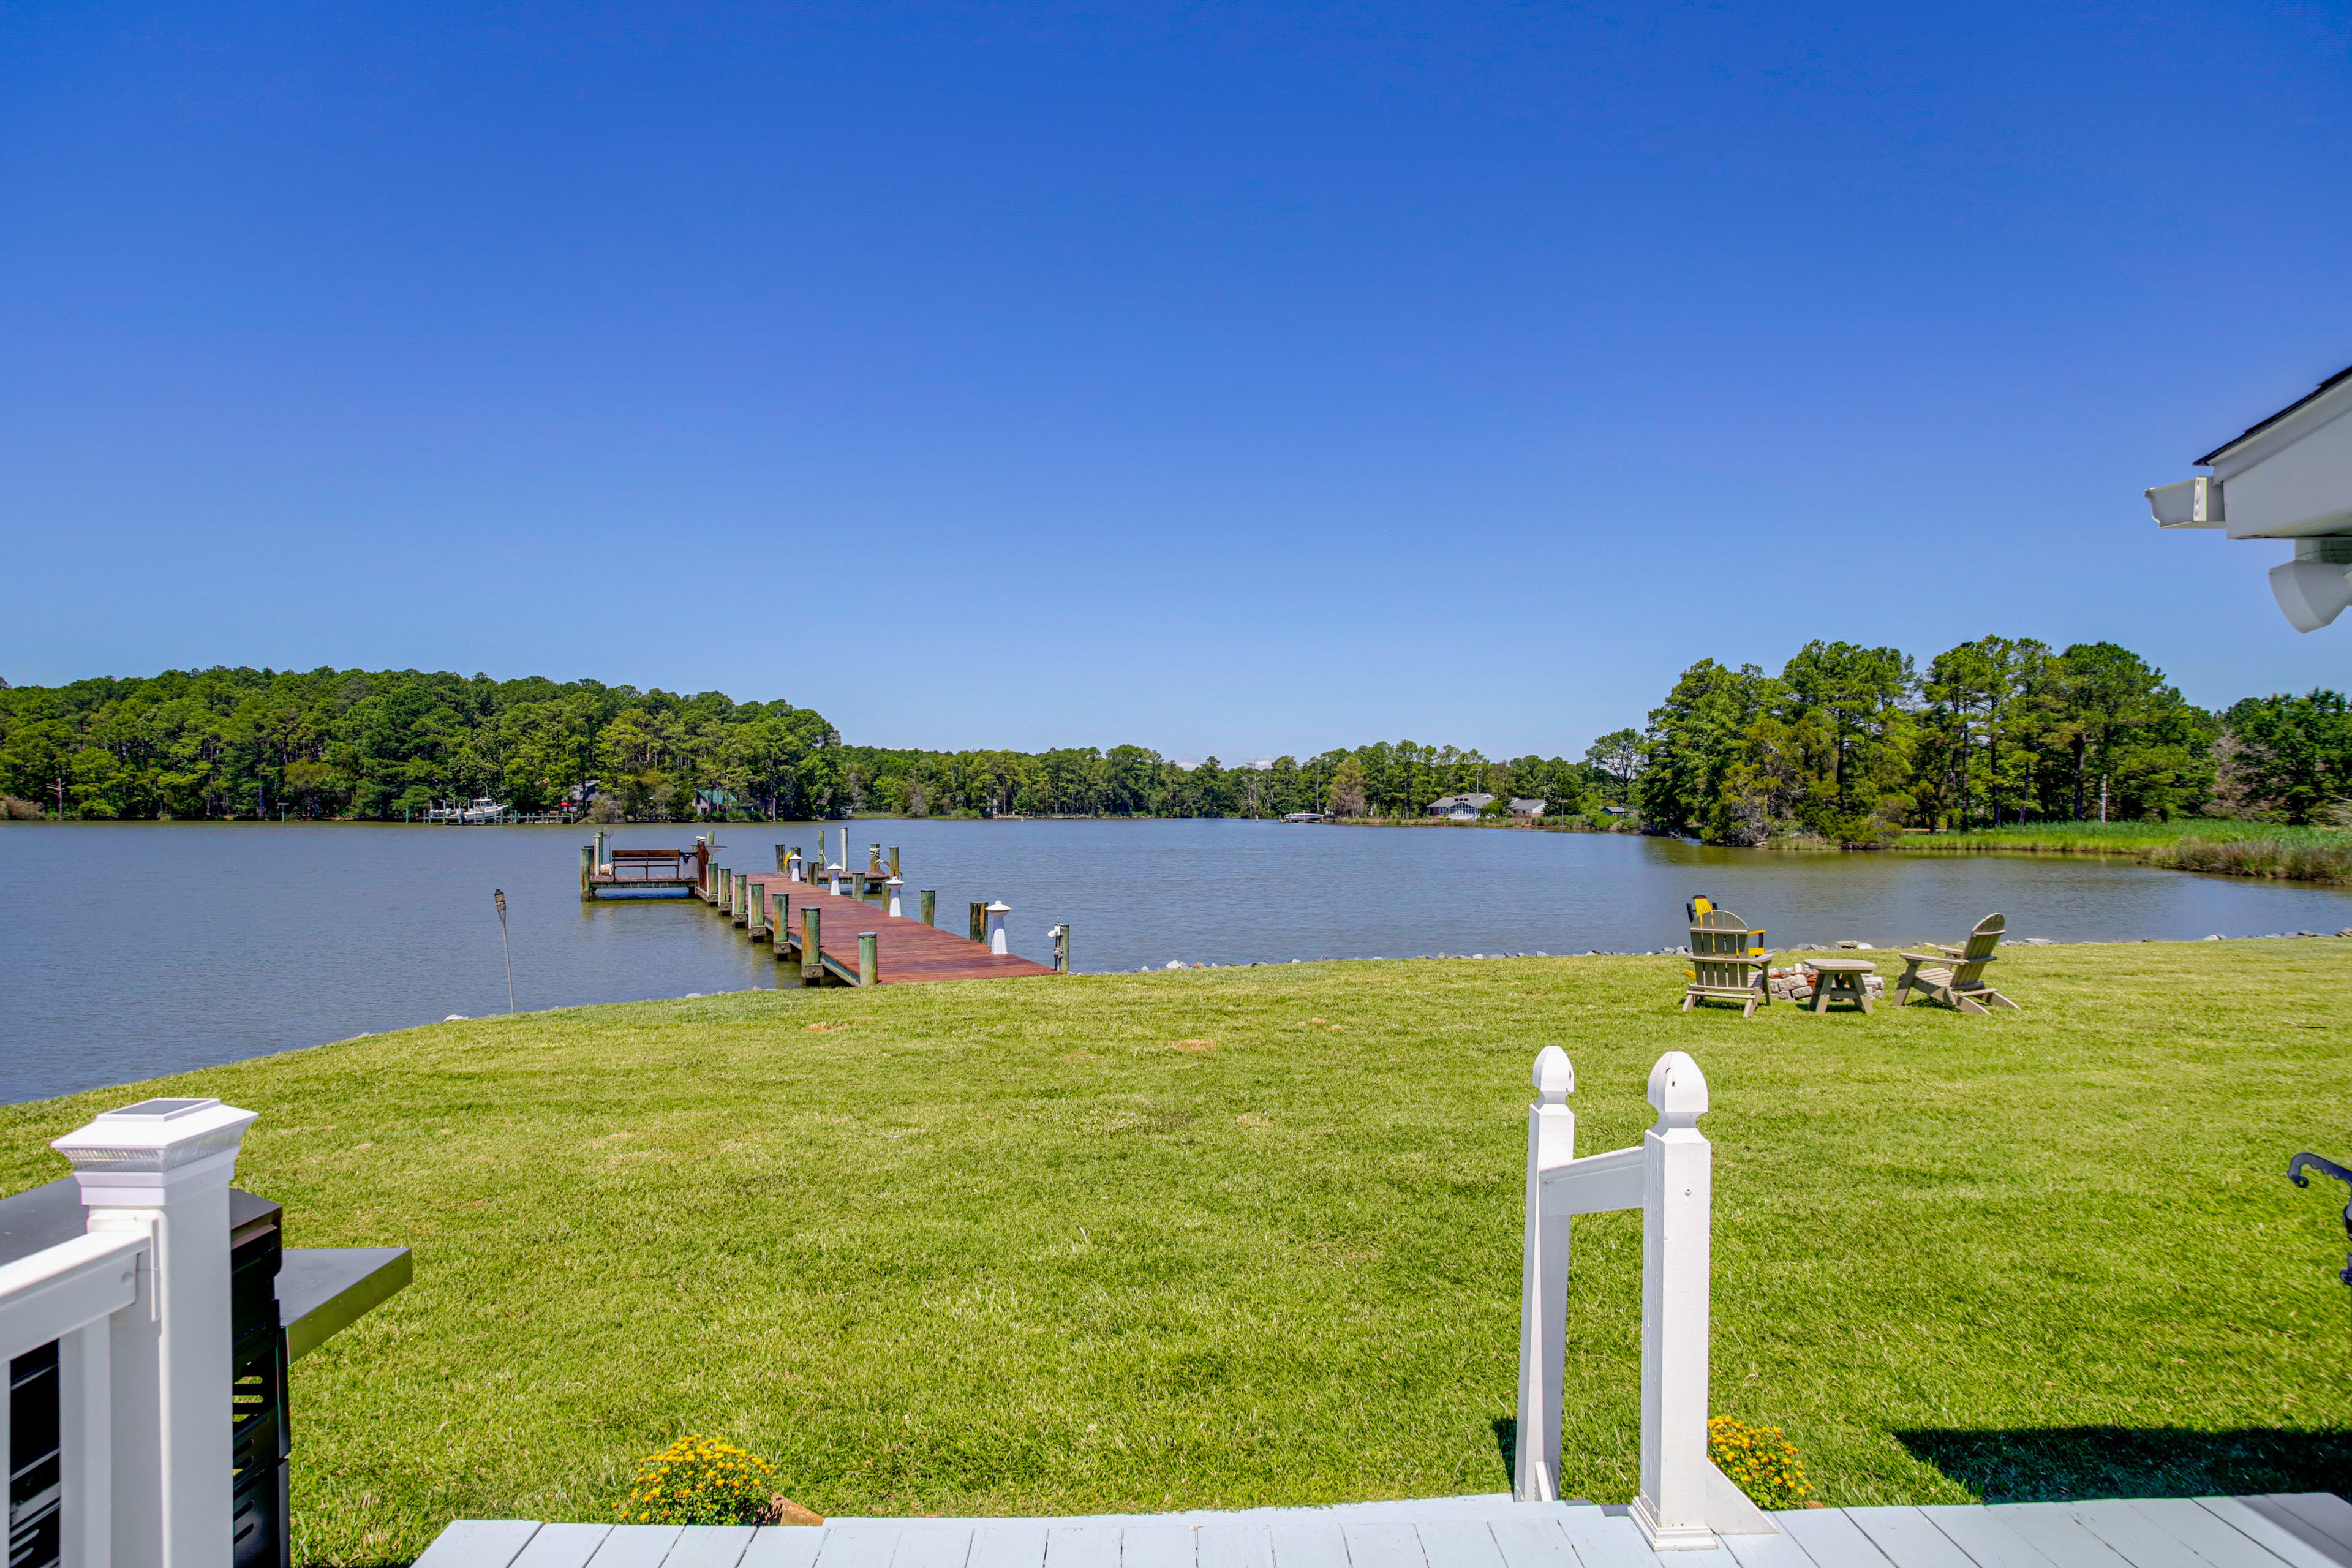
x: 782, y: 857
x: 893, y: 859
x: 1062, y: 949
x: 978, y: 920
x: 812, y: 945
x: 930, y: 906
x: 873, y: 861
x: 587, y: 870
x: 869, y: 962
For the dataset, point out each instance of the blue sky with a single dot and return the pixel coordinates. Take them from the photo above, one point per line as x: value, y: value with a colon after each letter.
x: 1225, y: 380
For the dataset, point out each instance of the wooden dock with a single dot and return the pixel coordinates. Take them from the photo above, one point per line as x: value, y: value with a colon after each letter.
x: 858, y: 942
x: 907, y: 952
x: 2302, y: 1529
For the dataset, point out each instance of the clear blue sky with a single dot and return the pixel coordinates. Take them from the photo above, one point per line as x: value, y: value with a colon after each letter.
x: 1230, y: 380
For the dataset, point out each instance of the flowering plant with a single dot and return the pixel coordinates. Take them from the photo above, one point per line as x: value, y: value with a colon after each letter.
x: 697, y: 1480
x: 1760, y: 1460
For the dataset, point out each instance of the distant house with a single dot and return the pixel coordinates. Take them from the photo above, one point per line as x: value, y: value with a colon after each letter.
x: 711, y: 800
x: 1460, y: 808
x: 1527, y: 807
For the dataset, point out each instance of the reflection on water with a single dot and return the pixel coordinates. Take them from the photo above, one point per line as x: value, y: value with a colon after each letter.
x: 135, y: 949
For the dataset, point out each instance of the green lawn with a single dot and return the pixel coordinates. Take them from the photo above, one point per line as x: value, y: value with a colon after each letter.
x: 1167, y: 1241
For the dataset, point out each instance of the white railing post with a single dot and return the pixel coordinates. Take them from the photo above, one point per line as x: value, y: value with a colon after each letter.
x: 1677, y: 1201
x: 898, y: 889
x: 1686, y: 1502
x: 996, y: 913
x: 161, y: 1169
x: 1543, y: 1287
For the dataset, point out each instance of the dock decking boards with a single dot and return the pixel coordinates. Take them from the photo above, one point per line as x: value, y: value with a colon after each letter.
x: 2297, y: 1530
x: 907, y: 951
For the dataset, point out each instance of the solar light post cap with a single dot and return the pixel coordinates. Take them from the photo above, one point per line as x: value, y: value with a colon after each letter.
x: 141, y: 1155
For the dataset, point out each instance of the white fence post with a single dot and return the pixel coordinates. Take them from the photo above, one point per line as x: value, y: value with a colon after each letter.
x: 1543, y: 1287
x: 161, y: 1170
x: 1677, y: 1202
x: 1686, y: 1502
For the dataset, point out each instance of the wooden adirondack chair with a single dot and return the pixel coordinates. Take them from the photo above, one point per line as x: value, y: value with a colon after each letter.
x: 1955, y: 976
x: 1726, y: 964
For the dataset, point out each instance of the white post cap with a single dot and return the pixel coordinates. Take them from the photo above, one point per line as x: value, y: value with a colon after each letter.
x: 999, y: 908
x: 1555, y: 1075
x: 895, y: 882
x: 144, y: 1154
x: 1678, y: 1090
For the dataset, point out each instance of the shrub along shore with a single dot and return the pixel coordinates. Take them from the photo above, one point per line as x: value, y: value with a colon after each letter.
x: 1251, y: 1236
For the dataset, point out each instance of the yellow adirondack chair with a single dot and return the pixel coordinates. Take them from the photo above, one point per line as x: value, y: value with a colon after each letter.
x: 1728, y: 963
x: 1955, y: 976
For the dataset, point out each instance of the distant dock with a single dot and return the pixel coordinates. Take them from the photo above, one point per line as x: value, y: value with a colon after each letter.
x: 825, y: 926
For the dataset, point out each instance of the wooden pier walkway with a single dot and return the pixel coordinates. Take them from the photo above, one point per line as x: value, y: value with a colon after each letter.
x: 2302, y: 1529
x: 907, y: 951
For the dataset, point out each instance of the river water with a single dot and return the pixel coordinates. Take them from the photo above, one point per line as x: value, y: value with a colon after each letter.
x: 134, y: 949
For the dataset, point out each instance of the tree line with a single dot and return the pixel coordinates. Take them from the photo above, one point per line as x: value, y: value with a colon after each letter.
x: 1851, y: 744
x: 1846, y: 743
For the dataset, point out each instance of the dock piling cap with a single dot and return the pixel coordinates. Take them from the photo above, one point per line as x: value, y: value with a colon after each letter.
x: 999, y: 908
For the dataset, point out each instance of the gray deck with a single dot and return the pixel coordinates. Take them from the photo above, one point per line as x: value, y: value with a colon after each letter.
x: 2301, y: 1530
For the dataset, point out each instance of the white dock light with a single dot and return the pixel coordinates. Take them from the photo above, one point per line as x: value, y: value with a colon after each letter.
x: 996, y: 913
x: 895, y: 885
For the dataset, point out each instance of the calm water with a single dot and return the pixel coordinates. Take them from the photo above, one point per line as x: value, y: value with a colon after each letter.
x: 130, y: 950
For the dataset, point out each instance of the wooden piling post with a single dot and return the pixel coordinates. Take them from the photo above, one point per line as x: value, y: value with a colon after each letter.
x: 930, y: 906
x: 780, y: 921
x: 587, y: 872
x: 893, y: 859
x: 979, y: 920
x: 812, y: 945
x: 870, y: 957
x: 857, y: 884
x: 782, y: 856
x: 873, y: 861
x: 756, y: 926
x: 1062, y: 949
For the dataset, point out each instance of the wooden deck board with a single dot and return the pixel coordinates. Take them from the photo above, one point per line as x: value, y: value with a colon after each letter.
x: 2287, y: 1531
x: 781, y: 1547
x: 563, y: 1546
x: 2289, y: 1548
x: 635, y: 1546
x: 1910, y: 1537
x: 710, y: 1546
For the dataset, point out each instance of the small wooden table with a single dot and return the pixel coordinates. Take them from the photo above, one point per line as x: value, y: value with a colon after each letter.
x: 1840, y: 978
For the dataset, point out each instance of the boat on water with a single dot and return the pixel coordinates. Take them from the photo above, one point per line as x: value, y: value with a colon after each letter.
x: 472, y: 814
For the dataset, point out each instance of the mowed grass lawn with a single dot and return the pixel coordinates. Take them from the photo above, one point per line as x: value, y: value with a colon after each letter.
x: 1251, y: 1236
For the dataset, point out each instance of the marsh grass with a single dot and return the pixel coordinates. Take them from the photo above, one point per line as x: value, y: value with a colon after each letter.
x: 1145, y: 1242
x: 2226, y: 847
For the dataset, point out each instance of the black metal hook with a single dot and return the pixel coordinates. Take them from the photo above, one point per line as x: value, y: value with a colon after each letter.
x: 2326, y: 1167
